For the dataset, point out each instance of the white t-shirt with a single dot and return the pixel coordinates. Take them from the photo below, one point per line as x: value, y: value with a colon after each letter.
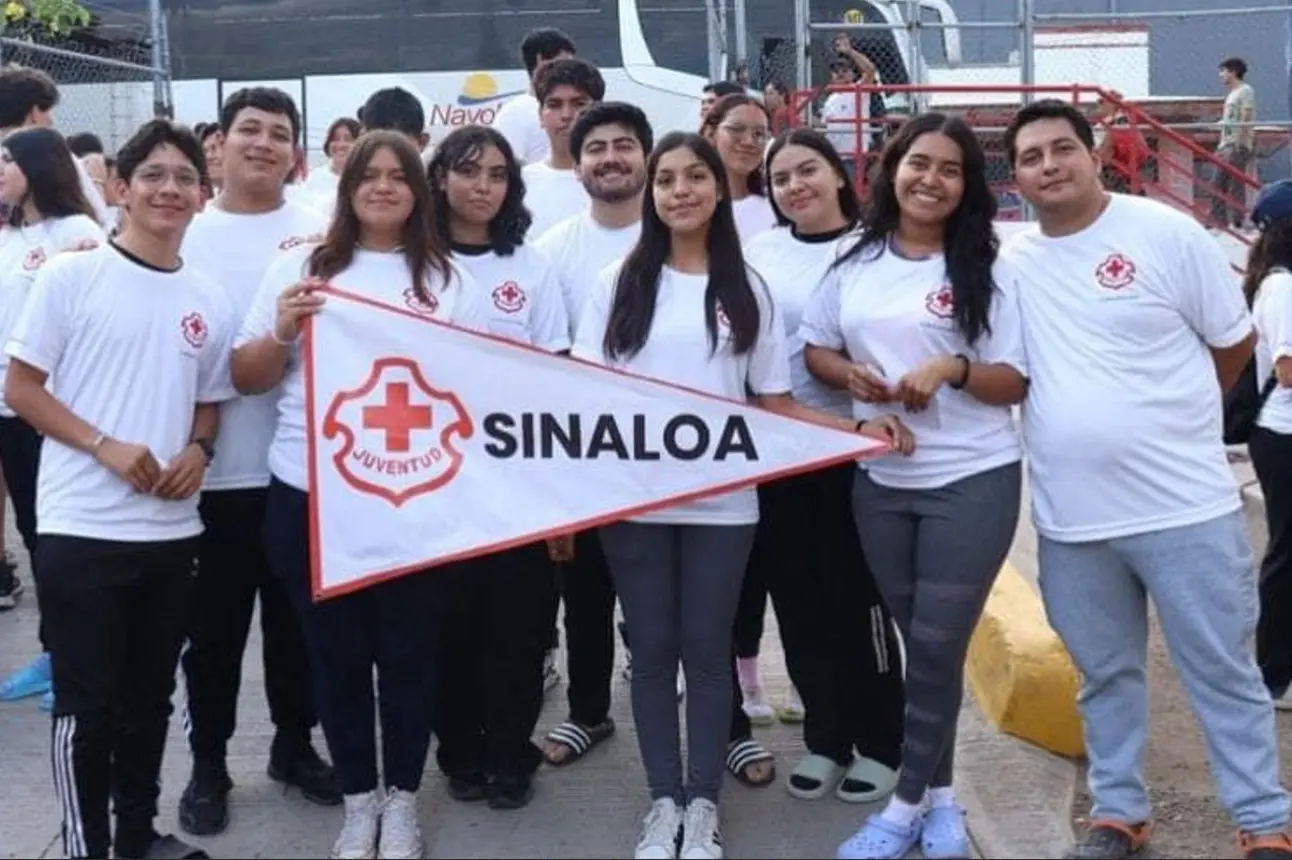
x: 23, y: 253
x: 518, y: 121
x: 131, y: 350
x: 1123, y: 421
x: 580, y: 249
x: 1273, y: 316
x: 753, y: 215
x: 381, y: 276
x: 93, y: 195
x: 677, y: 350
x: 235, y: 251
x: 893, y: 314
x: 517, y: 297
x: 551, y: 196
x: 845, y: 127
x: 793, y: 269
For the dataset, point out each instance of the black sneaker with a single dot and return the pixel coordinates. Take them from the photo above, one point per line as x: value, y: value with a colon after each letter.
x: 297, y: 763
x: 204, y: 806
x: 511, y: 792
x: 154, y: 846
x: 11, y: 587
x: 469, y: 787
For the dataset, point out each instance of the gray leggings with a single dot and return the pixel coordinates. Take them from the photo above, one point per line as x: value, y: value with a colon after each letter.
x: 679, y: 586
x: 935, y: 554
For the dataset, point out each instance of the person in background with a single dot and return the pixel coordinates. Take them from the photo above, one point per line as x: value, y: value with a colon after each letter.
x: 739, y: 126
x: 48, y: 215
x: 518, y: 119
x: 1131, y: 311
x: 712, y: 92
x: 28, y: 97
x: 564, y: 88
x: 841, y: 648
x: 320, y: 185
x: 678, y: 570
x: 212, y: 147
x: 374, y: 651
x: 234, y: 241
x: 85, y: 143
x: 1236, y: 147
x: 119, y: 359
x: 396, y: 109
x: 1122, y: 150
x: 609, y: 142
x: 1268, y: 288
x: 776, y: 96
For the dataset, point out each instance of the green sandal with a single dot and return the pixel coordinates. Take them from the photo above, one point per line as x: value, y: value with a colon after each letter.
x: 814, y: 777
x: 866, y: 781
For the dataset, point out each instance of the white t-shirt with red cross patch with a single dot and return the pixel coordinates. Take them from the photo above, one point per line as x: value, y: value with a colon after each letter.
x: 517, y: 297
x: 23, y: 253
x: 382, y: 276
x: 1123, y: 422
x: 131, y: 350
x: 893, y: 314
x: 235, y: 250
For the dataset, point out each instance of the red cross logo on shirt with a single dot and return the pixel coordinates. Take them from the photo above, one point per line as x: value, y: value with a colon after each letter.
x: 1115, y: 273
x: 194, y: 329
x: 398, y: 417
x: 940, y: 302
x: 34, y: 260
x: 508, y: 297
x: 415, y: 303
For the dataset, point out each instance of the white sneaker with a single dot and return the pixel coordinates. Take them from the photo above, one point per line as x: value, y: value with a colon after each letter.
x: 701, y: 836
x: 401, y: 838
x: 358, y: 839
x: 659, y: 832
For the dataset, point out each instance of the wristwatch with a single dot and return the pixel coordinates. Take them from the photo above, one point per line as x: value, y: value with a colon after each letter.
x: 207, y: 446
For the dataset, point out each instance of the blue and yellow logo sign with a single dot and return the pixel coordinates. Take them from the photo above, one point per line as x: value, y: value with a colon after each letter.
x: 481, y: 89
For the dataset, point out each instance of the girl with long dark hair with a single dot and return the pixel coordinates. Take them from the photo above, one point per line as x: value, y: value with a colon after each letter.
x: 48, y: 214
x: 840, y: 645
x: 1268, y: 287
x: 382, y: 243
x: 683, y: 307
x: 491, y: 688
x: 918, y: 316
x: 739, y: 126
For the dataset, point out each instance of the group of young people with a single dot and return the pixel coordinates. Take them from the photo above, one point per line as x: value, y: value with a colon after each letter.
x: 155, y: 376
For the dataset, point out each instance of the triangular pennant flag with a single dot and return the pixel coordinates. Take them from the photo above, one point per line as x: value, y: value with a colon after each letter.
x: 429, y: 443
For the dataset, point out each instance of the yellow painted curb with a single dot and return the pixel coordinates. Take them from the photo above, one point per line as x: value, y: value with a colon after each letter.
x: 1019, y: 671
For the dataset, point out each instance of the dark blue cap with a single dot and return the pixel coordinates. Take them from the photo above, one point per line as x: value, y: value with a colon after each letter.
x: 1273, y: 204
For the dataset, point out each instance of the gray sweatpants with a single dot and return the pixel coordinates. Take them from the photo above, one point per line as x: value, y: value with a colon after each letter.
x: 679, y: 586
x: 935, y: 554
x: 1201, y: 581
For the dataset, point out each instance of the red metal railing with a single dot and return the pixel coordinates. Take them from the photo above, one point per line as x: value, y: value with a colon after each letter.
x: 1172, y: 174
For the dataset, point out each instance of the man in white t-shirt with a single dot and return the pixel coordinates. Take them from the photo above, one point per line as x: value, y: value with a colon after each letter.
x: 1134, y: 326
x: 233, y: 242
x: 552, y: 189
x: 610, y: 142
x: 140, y: 343
x: 517, y: 120
x: 28, y: 97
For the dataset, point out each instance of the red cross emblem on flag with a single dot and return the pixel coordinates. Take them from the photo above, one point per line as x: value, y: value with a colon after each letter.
x: 1115, y: 273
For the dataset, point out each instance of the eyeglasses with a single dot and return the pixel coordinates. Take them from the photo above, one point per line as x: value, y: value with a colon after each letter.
x: 184, y: 177
x: 758, y: 135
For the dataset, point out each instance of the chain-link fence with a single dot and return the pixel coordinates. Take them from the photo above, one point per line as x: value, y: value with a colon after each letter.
x: 108, y: 88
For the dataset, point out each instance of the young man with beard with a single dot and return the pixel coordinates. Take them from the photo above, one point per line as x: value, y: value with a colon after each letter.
x: 234, y: 241
x: 140, y: 343
x: 1134, y: 325
x: 553, y: 192
x: 609, y: 142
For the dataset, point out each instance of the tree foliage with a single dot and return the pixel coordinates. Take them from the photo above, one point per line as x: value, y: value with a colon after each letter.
x: 56, y: 17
